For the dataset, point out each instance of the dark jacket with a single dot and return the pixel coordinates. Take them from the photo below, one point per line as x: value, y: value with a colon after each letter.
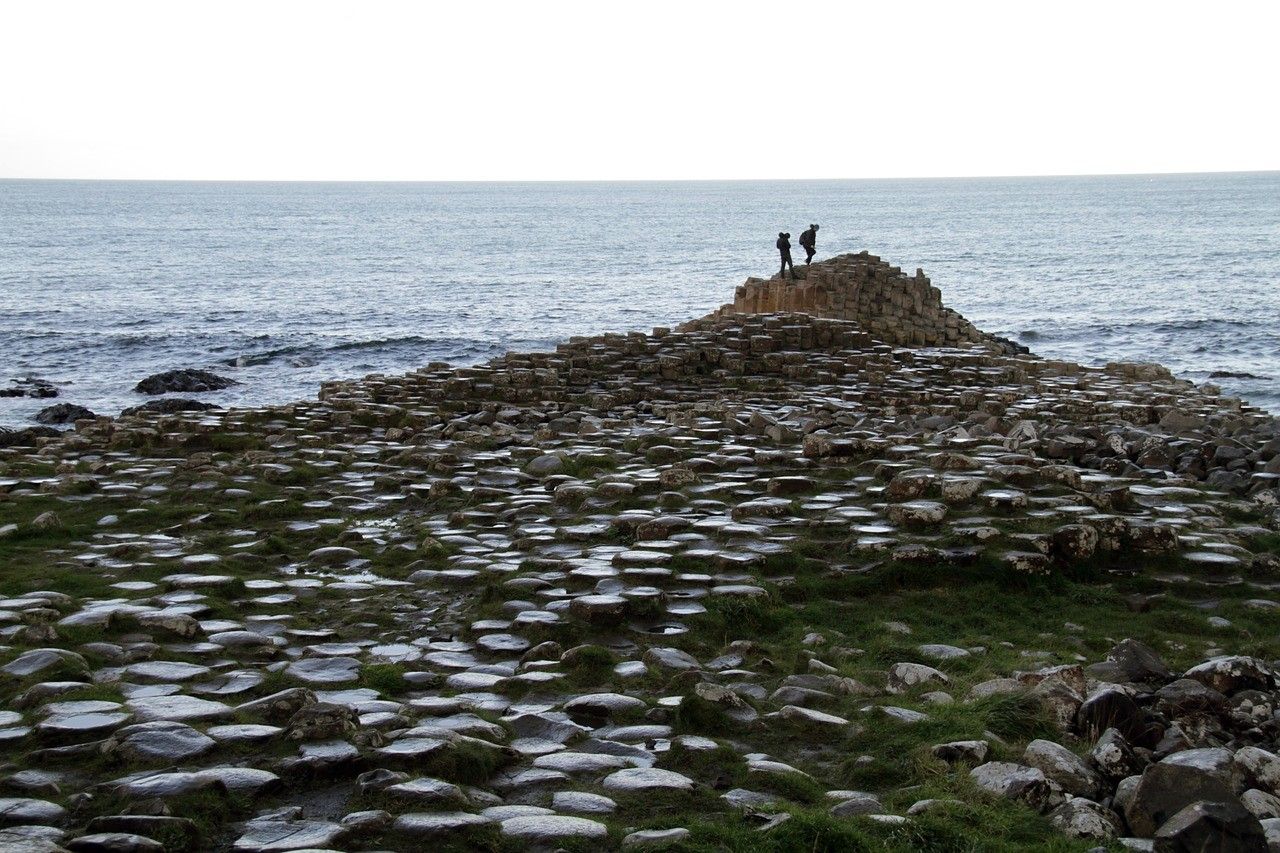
x: 784, y: 245
x: 807, y: 238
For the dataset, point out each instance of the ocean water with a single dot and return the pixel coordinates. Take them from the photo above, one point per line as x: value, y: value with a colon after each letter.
x: 282, y: 286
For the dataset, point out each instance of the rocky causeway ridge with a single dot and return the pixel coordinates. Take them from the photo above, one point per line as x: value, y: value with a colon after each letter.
x: 829, y: 568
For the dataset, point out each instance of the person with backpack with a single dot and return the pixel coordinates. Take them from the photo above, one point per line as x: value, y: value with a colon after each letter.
x: 809, y: 242
x: 784, y: 249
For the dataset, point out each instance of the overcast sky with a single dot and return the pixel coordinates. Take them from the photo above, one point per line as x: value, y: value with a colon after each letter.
x: 620, y: 90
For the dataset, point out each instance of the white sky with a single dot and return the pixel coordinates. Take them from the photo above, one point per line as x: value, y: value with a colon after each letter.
x: 541, y: 90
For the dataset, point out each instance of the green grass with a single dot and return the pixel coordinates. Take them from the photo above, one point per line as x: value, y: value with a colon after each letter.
x: 386, y: 678
x: 591, y: 666
x: 696, y: 715
x: 467, y: 762
x: 973, y: 829
x: 901, y: 751
x: 732, y: 617
x: 586, y: 465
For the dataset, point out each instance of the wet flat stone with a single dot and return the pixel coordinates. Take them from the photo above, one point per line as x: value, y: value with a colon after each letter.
x: 579, y: 762
x: 82, y: 725
x: 327, y: 670
x: 160, y: 741
x: 39, y: 660
x: 244, y: 733
x: 582, y: 802
x: 542, y: 829
x: 268, y: 836
x: 163, y: 672
x: 647, y: 779
x: 177, y: 707
x: 438, y: 824
x: 426, y: 791
x: 23, y: 810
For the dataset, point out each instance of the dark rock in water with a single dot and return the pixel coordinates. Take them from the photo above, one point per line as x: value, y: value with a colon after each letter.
x: 1009, y: 347
x: 39, y: 389
x: 168, y: 406
x: 184, y: 381
x: 1212, y: 826
x: 1232, y: 374
x: 25, y: 437
x: 63, y: 413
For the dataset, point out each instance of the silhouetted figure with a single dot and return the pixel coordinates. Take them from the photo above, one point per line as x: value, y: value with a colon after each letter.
x: 809, y: 242
x: 784, y: 249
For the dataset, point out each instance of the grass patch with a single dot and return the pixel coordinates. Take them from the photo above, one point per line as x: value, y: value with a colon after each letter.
x: 386, y: 678
x: 467, y: 762
x: 696, y: 715
x: 591, y: 666
x: 758, y: 617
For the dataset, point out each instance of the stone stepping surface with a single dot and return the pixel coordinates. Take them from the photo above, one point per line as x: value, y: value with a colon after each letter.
x: 474, y: 602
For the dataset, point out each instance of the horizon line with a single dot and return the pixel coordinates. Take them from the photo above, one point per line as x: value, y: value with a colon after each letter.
x: 637, y: 180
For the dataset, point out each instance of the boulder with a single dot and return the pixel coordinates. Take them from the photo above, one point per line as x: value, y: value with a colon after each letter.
x: 1082, y: 818
x: 1189, y: 696
x: 1216, y: 762
x: 1165, y: 789
x: 1074, y: 542
x: 971, y: 751
x: 1112, y: 708
x: 672, y: 659
x: 545, y: 465
x: 1015, y: 782
x: 1230, y: 673
x: 1205, y: 826
x: 283, y: 834
x: 1114, y: 758
x: 1139, y: 662
x: 1259, y: 768
x: 1260, y: 804
x: 904, y: 676
x: 1063, y: 766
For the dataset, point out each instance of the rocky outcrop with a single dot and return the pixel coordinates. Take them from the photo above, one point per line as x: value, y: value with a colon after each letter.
x: 63, y: 413
x: 39, y: 389
x: 167, y: 406
x: 881, y: 299
x: 183, y: 382
x: 28, y: 437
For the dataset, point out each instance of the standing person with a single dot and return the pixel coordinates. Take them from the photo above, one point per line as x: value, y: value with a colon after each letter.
x: 784, y: 249
x: 809, y: 242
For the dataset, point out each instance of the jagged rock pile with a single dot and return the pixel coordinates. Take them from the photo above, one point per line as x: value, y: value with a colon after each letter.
x: 1185, y: 760
x: 897, y: 308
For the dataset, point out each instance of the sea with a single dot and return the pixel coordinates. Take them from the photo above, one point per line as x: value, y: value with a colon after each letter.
x: 281, y: 286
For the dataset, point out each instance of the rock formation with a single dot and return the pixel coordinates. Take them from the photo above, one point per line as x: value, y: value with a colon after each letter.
x: 870, y: 568
x: 879, y: 298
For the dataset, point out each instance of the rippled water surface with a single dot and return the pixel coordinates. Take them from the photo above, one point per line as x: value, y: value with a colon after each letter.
x: 284, y: 285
